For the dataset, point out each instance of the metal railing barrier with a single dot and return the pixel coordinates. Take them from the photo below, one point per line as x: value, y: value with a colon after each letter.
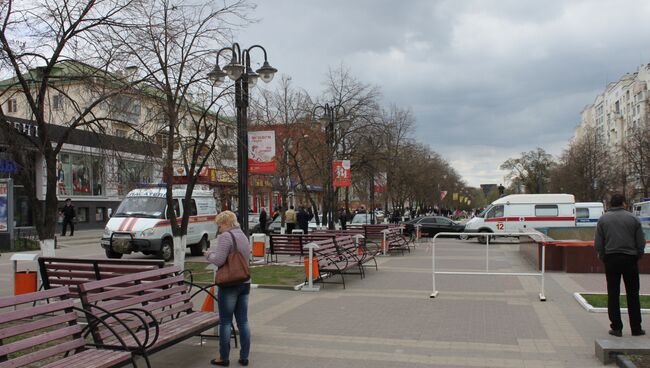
x: 434, y: 293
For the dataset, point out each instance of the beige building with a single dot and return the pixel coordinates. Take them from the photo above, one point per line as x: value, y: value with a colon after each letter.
x: 100, y: 162
x: 622, y: 105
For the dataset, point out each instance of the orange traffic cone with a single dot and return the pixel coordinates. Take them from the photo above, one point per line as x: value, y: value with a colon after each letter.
x: 208, y: 302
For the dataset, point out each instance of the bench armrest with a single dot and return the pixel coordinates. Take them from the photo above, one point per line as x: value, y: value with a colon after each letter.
x: 94, y: 321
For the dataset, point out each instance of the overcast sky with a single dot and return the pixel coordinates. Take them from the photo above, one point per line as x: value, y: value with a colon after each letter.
x: 485, y: 79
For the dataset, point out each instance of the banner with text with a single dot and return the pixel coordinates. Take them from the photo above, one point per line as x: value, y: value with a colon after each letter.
x: 261, y: 152
x: 341, y: 173
x: 4, y: 207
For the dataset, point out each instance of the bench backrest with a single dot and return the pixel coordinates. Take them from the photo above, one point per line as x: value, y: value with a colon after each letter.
x: 162, y: 292
x: 374, y: 231
x: 326, y: 248
x: 57, y: 271
x: 31, y: 325
x: 293, y: 244
x: 348, y: 232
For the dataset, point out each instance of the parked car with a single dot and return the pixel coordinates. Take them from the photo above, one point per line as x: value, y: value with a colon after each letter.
x: 431, y: 225
x: 363, y: 218
x: 254, y: 223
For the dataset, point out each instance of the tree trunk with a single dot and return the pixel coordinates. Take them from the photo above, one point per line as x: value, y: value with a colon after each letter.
x: 180, y: 246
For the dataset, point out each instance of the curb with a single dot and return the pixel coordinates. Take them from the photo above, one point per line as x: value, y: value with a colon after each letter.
x: 590, y: 308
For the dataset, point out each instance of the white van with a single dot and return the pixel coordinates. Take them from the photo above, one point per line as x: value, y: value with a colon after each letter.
x: 588, y: 213
x: 642, y: 211
x: 519, y: 212
x: 140, y: 225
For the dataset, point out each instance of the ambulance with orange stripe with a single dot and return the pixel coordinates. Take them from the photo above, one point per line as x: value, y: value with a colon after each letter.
x: 521, y: 212
x: 140, y: 224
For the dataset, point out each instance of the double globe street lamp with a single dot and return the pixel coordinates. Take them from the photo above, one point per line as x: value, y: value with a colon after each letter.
x: 239, y: 70
x: 329, y: 115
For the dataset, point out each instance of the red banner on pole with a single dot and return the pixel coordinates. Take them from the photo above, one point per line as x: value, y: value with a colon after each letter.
x: 261, y: 152
x: 443, y: 194
x: 380, y: 182
x: 341, y: 173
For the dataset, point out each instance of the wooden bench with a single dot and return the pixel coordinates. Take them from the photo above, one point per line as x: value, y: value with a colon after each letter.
x: 58, y: 271
x: 48, y: 335
x: 357, y: 250
x: 332, y: 260
x: 292, y: 244
x: 395, y: 240
x: 162, y: 307
x: 371, y: 247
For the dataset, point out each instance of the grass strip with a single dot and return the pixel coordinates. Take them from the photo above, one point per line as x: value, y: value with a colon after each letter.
x: 600, y: 300
x: 276, y: 275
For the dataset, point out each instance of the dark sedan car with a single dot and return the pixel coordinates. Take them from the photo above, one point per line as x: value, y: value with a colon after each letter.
x: 431, y: 225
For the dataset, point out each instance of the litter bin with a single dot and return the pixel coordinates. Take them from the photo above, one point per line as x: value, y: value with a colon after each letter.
x: 25, y: 281
x: 259, y: 244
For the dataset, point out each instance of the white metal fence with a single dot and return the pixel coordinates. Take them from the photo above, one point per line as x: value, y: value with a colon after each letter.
x: 487, y: 271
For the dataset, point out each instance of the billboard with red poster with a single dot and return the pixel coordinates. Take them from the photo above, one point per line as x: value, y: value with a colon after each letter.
x: 261, y: 152
x: 341, y: 173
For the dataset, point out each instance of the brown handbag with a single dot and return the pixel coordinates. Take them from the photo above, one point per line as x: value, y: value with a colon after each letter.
x: 235, y: 270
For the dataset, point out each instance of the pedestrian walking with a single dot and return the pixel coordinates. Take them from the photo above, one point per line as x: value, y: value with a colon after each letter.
x: 69, y: 217
x: 343, y: 217
x: 620, y: 243
x: 302, y: 217
x: 290, y: 219
x: 232, y: 299
x: 263, y: 219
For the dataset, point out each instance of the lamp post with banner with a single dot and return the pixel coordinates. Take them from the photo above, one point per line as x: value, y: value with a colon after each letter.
x: 329, y: 115
x: 239, y: 70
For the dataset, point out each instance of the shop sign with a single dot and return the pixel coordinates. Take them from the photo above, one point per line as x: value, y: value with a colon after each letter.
x: 341, y: 173
x: 261, y: 152
x: 8, y: 167
x: 28, y: 130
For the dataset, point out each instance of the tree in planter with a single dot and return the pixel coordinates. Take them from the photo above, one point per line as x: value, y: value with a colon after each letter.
x: 175, y: 45
x: 39, y: 41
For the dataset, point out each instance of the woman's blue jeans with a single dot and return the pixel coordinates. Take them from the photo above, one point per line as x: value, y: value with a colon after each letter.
x: 234, y: 300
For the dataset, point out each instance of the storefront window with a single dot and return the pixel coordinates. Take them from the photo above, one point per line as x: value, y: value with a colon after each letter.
x: 130, y: 174
x: 99, y: 214
x: 80, y: 175
x: 82, y: 214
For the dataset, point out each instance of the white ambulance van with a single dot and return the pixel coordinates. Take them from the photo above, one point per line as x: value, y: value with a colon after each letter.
x: 519, y: 212
x: 588, y: 213
x: 140, y: 224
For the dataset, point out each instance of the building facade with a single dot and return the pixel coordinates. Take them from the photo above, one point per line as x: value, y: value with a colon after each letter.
x: 622, y: 105
x: 99, y: 164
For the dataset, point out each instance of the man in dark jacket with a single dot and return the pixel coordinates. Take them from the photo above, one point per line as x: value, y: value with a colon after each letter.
x: 302, y: 217
x: 343, y: 217
x: 620, y: 243
x: 69, y: 216
x: 263, y: 218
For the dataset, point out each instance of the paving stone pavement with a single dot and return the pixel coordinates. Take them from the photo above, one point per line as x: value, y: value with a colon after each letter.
x: 388, y: 319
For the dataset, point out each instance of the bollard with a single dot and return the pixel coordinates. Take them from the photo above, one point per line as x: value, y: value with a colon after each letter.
x: 384, y: 242
x: 357, y: 241
x: 310, y: 268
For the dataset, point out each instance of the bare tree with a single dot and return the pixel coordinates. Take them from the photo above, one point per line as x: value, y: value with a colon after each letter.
x: 636, y: 152
x: 39, y: 42
x: 530, y: 170
x: 585, y: 169
x: 175, y: 46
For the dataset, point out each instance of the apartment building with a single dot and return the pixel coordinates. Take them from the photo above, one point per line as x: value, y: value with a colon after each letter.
x: 622, y: 105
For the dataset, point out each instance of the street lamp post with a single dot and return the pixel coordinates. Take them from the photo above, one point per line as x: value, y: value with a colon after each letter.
x: 239, y: 70
x: 330, y: 115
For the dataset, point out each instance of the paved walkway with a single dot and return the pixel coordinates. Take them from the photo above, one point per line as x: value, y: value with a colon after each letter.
x: 388, y: 319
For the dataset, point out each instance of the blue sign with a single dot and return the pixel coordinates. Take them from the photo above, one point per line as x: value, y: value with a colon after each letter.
x: 8, y: 167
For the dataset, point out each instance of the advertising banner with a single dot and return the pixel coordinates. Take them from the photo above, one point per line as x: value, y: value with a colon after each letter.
x: 341, y: 173
x: 261, y: 152
x: 380, y: 182
x: 443, y: 194
x: 4, y: 207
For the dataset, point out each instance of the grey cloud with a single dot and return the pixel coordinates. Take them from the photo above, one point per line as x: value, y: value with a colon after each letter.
x: 505, y: 75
